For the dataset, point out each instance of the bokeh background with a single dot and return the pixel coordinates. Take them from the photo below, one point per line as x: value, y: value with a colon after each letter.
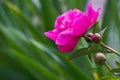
x: 26, y: 54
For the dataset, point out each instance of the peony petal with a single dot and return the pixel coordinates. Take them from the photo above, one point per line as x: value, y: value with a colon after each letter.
x: 65, y: 20
x: 68, y: 47
x: 64, y: 38
x: 58, y: 21
x: 90, y: 10
x: 81, y: 25
x: 92, y: 14
x: 94, y: 18
x: 72, y: 14
x: 77, y: 13
x: 52, y: 34
x: 69, y: 16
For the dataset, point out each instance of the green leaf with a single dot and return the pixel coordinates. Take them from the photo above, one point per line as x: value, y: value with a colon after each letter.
x: 87, y: 51
x: 79, y: 52
x: 97, y: 48
x: 117, y: 64
x: 110, y: 78
x: 117, y: 70
x: 95, y: 27
x: 90, y: 57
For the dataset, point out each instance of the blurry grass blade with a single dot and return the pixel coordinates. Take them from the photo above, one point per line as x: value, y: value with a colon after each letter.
x: 106, y: 16
x: 57, y: 6
x: 65, y: 64
x: 4, y: 17
x: 25, y: 20
x: 115, y: 10
x: 47, y: 13
x: 80, y: 4
x: 107, y: 20
x: 45, y: 49
x: 44, y: 71
x: 110, y: 78
x: 70, y: 4
x: 116, y: 70
x: 116, y: 17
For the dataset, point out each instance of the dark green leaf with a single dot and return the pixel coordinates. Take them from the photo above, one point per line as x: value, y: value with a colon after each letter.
x: 97, y: 48
x: 85, y: 51
x: 117, y: 64
x: 90, y: 57
x: 79, y: 52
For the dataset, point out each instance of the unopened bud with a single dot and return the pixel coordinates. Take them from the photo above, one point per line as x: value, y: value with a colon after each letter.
x: 89, y: 34
x: 94, y: 37
x: 100, y: 58
x: 90, y: 37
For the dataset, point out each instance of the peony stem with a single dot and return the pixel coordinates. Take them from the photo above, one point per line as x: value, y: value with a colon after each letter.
x: 109, y: 48
x: 109, y: 68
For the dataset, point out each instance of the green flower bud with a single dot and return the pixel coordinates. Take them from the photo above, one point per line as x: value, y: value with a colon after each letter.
x: 100, y: 58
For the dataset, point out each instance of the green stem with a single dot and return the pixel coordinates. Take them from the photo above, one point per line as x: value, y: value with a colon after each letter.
x: 109, y: 48
x: 109, y: 68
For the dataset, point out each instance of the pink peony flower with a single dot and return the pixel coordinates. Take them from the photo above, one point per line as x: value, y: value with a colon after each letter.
x: 70, y: 26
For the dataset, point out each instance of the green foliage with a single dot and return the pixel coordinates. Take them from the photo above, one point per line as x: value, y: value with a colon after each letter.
x: 116, y: 70
x: 117, y: 64
x: 110, y: 78
x: 26, y: 54
x: 93, y: 48
x: 79, y: 52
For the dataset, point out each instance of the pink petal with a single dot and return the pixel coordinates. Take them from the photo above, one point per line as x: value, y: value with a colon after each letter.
x: 90, y: 10
x: 67, y: 18
x: 77, y: 13
x: 81, y: 25
x: 93, y: 15
x: 52, y: 34
x: 58, y: 21
x: 94, y: 19
x: 64, y: 38
x: 68, y: 47
x: 72, y: 14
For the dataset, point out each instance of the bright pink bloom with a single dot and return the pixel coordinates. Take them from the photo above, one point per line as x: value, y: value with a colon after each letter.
x: 70, y: 26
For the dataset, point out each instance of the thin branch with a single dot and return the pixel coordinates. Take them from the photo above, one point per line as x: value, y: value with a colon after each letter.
x: 109, y: 68
x: 109, y: 48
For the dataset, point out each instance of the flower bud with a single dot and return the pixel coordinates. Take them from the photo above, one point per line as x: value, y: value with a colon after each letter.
x: 89, y: 34
x: 96, y: 37
x: 90, y: 37
x: 100, y: 58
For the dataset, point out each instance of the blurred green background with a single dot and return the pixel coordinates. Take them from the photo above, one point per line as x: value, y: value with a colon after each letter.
x: 26, y: 54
